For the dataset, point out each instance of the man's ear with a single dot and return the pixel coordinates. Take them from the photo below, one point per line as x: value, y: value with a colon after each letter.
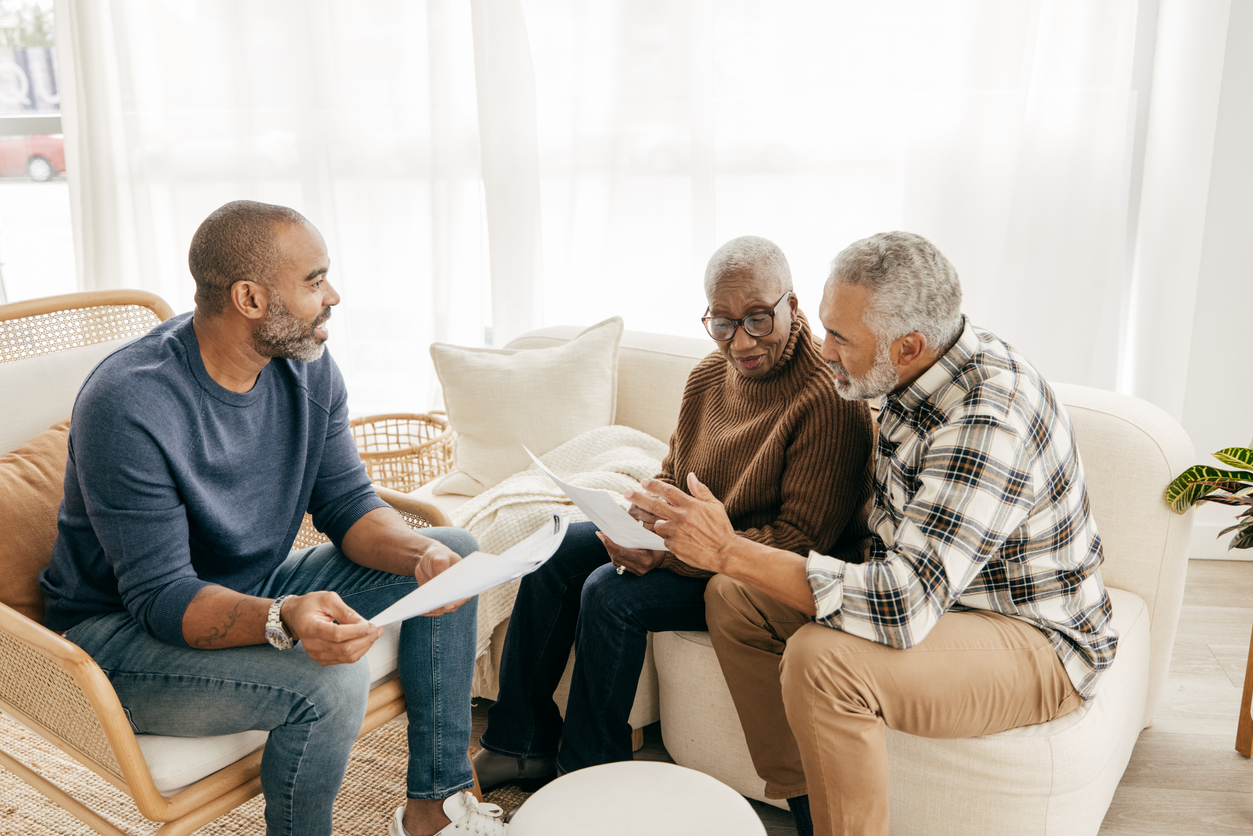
x: 250, y: 299
x: 910, y: 349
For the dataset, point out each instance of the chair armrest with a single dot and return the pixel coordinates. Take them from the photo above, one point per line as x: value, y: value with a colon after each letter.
x: 418, y: 513
x: 53, y: 687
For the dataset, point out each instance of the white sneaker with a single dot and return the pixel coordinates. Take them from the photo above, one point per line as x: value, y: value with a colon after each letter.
x: 465, y: 815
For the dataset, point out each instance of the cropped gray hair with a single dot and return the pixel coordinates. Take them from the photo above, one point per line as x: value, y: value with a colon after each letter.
x: 746, y: 252
x: 911, y: 286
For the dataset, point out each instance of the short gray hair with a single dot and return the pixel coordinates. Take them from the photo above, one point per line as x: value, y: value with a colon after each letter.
x: 744, y: 253
x: 911, y: 286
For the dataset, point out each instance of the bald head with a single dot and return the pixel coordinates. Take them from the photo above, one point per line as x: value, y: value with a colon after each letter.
x: 237, y: 242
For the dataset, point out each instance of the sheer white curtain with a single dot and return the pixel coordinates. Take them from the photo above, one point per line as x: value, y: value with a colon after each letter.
x: 361, y: 115
x: 1003, y: 131
x: 505, y: 164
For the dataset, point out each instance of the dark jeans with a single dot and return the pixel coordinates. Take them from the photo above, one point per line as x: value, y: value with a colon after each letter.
x: 577, y: 598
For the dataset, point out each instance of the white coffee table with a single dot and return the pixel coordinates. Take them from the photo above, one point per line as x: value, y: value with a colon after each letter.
x: 636, y: 797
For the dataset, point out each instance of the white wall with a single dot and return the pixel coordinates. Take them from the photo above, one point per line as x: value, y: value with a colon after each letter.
x: 1218, y: 403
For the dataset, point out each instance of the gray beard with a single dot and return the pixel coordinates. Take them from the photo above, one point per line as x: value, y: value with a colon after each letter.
x: 282, y: 335
x: 881, y: 379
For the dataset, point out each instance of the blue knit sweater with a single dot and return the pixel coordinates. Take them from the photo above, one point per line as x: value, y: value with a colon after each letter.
x: 175, y: 483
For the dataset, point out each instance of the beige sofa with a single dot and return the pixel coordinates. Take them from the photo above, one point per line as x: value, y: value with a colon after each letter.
x: 1055, y: 778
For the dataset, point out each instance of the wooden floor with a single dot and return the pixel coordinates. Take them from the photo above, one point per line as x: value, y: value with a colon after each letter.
x: 1184, y: 776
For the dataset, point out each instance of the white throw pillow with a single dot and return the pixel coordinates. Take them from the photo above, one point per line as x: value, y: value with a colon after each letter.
x: 501, y: 399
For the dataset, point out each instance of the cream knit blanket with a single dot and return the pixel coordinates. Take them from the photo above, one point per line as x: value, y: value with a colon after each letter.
x: 613, y: 458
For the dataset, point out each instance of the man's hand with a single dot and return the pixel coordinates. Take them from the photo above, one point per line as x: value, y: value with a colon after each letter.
x: 635, y: 561
x: 643, y: 516
x: 696, y: 527
x: 382, y: 540
x: 437, y: 558
x: 331, y: 631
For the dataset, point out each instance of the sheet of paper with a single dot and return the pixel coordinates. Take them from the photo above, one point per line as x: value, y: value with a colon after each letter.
x: 478, y: 572
x: 609, y: 516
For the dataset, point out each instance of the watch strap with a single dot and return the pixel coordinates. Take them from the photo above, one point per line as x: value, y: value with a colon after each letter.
x: 276, y: 633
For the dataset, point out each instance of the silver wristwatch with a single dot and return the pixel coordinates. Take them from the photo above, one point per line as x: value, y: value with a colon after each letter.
x: 275, y: 633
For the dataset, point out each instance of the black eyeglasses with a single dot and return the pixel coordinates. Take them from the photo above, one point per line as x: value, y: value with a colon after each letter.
x: 722, y: 328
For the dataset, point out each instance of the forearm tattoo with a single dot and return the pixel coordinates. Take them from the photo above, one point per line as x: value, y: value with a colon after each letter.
x: 217, y: 635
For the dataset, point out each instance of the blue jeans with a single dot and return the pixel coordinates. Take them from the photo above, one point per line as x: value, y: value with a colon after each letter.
x: 313, y: 713
x: 577, y: 598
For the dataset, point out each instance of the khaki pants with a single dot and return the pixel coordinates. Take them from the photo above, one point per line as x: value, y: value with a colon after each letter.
x: 814, y: 701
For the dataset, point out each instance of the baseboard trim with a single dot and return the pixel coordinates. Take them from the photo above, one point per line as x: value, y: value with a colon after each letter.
x: 1207, y: 545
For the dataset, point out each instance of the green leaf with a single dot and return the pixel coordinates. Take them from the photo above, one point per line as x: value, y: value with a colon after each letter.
x: 1236, y: 457
x: 1200, y: 481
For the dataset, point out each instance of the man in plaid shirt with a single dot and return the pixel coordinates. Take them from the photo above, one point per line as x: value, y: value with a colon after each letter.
x: 982, y: 555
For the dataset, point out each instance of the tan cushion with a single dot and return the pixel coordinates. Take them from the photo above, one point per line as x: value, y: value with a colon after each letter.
x: 31, y: 480
x: 501, y: 399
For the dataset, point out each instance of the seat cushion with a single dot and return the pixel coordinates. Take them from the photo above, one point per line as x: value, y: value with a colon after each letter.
x: 1054, y: 778
x: 177, y: 762
x: 1051, y: 778
x: 31, y: 479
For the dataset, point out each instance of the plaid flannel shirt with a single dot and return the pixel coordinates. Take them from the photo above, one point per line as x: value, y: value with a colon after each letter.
x: 979, y: 503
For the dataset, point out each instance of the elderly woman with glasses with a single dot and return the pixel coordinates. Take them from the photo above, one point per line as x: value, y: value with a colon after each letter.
x: 762, y: 426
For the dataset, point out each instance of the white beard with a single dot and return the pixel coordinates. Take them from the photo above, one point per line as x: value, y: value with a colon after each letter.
x: 882, y: 378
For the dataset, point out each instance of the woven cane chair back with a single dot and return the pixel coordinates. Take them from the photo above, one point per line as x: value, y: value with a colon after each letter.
x: 59, y: 323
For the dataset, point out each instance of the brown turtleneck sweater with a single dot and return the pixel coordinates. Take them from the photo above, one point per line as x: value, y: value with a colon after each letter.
x: 785, y: 454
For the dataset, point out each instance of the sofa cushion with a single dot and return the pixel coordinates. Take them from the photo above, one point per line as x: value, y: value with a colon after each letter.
x: 1051, y: 779
x: 31, y: 480
x: 1047, y: 779
x: 501, y: 399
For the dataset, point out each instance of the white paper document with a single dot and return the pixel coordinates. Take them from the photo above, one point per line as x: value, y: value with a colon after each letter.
x: 478, y: 572
x: 609, y: 516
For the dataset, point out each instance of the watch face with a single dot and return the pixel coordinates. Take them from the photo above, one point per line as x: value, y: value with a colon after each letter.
x: 276, y: 637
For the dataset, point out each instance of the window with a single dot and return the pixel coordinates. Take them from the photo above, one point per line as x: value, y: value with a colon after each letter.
x: 36, y: 241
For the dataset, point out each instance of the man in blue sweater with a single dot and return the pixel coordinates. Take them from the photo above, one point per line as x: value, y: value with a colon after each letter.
x: 194, y: 453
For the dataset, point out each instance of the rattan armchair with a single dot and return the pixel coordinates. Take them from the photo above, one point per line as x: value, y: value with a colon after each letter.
x: 54, y: 688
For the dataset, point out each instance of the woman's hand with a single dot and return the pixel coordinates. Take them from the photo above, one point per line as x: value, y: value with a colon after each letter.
x: 635, y: 561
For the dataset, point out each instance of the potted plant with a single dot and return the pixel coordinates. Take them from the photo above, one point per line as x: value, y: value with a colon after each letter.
x: 1203, y: 483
